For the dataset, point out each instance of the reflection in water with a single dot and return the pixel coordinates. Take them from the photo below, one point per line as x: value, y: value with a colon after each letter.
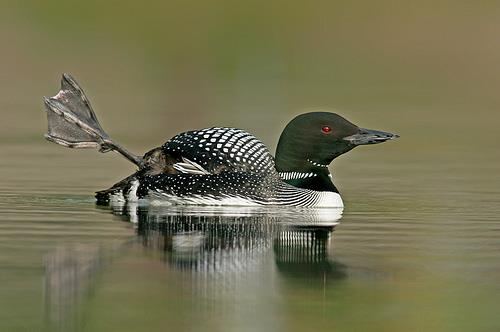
x: 305, y: 252
x: 222, y: 241
x: 69, y: 276
x: 220, y: 251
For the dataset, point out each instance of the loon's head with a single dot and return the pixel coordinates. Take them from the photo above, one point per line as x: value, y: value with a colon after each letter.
x: 311, y: 141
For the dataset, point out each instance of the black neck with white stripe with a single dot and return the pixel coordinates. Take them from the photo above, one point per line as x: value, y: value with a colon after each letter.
x: 308, y: 144
x: 319, y: 180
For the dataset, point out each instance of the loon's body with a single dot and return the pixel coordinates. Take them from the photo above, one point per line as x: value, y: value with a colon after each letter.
x: 218, y: 166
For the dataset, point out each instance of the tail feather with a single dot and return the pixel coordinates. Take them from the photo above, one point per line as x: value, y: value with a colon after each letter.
x: 118, y: 191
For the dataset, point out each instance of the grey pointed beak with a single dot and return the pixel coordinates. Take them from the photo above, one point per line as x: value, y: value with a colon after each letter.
x: 368, y: 136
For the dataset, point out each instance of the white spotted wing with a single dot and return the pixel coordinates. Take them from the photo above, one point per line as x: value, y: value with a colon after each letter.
x: 213, y: 150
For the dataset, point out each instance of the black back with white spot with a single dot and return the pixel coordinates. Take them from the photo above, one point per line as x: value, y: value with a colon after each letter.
x: 236, y: 163
x: 222, y: 149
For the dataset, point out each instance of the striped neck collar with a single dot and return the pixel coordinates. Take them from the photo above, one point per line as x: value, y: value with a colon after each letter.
x: 296, y: 175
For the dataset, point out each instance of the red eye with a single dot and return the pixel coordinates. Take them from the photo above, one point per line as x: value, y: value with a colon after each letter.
x: 326, y: 129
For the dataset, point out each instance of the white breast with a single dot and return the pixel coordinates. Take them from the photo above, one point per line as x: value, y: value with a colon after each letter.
x: 329, y: 199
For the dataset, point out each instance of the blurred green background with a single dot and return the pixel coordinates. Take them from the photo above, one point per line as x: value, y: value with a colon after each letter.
x: 422, y: 210
x: 426, y: 69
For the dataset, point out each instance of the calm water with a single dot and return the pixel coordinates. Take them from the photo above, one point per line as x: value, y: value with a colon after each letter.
x: 417, y: 248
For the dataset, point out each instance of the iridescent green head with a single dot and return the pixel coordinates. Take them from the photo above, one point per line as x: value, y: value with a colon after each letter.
x: 312, y: 140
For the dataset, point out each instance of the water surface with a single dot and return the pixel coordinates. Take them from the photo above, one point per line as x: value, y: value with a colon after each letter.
x: 421, y: 251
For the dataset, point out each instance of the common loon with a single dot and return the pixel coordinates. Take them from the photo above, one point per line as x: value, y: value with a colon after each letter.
x: 218, y: 166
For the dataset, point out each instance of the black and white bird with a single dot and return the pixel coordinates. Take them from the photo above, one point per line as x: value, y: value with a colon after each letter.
x: 218, y: 166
